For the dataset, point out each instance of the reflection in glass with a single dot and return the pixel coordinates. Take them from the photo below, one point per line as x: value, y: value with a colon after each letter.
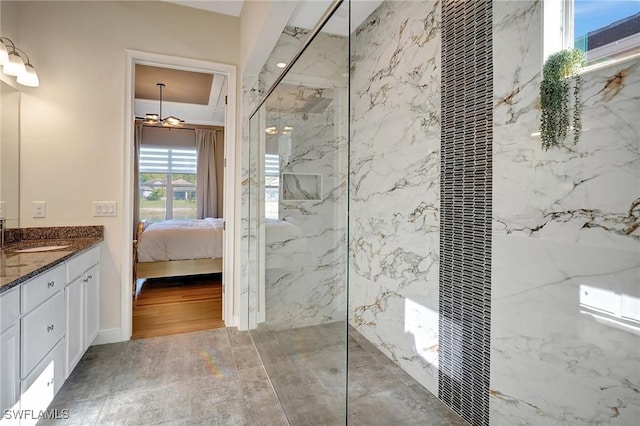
x: 301, y: 151
x: 9, y: 155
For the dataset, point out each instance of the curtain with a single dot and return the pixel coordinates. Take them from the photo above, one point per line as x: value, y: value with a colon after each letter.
x: 137, y: 140
x: 209, y: 180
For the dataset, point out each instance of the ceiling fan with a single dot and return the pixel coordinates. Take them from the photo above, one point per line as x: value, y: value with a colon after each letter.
x: 152, y: 119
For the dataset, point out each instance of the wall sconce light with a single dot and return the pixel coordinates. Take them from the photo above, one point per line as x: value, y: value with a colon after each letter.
x: 13, y: 64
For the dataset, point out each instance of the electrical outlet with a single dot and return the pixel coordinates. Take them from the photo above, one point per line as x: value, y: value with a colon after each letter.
x: 104, y: 208
x: 39, y: 209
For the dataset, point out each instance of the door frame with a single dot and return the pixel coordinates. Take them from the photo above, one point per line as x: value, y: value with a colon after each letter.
x: 231, y: 264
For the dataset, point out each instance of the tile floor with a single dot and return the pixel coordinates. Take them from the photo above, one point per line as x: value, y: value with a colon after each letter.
x: 212, y: 377
x: 307, y: 369
x: 217, y: 377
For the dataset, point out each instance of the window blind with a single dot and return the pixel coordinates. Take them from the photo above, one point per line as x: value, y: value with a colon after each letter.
x: 272, y: 165
x: 165, y: 160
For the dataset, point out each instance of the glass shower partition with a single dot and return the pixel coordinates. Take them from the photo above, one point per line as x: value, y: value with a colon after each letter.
x: 299, y: 154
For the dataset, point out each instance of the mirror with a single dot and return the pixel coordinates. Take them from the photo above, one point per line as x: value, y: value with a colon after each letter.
x: 9, y: 154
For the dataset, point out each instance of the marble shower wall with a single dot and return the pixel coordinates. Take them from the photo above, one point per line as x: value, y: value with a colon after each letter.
x: 253, y: 89
x: 248, y: 197
x: 395, y: 184
x: 566, y: 242
x: 305, y: 261
x: 304, y: 265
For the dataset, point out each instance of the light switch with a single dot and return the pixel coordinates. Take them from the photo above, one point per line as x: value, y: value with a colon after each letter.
x: 39, y: 209
x: 104, y: 208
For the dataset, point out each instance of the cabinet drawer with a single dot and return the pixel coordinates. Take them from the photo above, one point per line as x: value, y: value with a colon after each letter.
x: 39, y: 388
x: 42, y: 328
x: 40, y: 288
x: 77, y: 265
x: 9, y: 307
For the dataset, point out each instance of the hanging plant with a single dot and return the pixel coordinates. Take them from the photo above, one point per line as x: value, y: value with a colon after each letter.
x: 554, y: 97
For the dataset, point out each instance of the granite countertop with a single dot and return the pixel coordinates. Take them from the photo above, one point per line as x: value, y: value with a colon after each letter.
x: 16, y: 267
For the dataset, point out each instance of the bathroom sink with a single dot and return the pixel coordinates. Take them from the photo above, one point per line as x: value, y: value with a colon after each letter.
x: 39, y: 249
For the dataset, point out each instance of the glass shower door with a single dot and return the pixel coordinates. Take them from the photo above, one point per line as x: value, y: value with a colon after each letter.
x: 300, y: 290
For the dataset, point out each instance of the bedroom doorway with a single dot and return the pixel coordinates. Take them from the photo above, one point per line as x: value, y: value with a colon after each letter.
x: 179, y: 176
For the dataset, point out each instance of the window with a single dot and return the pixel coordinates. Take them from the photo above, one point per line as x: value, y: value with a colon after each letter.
x: 167, y: 187
x: 606, y: 29
x: 271, y: 185
x: 603, y: 29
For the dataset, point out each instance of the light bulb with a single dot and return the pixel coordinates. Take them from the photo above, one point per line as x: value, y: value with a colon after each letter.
x: 29, y: 77
x: 172, y: 121
x: 151, y: 118
x: 4, y: 54
x: 15, y: 65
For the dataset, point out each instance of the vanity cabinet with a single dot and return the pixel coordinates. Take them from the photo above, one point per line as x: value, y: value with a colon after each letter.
x: 83, y: 304
x: 9, y: 366
x: 9, y: 348
x: 46, y: 325
x: 91, y: 282
x: 42, y: 328
x: 74, y: 297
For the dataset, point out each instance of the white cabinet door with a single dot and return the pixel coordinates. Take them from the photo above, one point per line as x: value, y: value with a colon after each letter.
x: 92, y: 304
x: 74, y: 295
x: 9, y: 367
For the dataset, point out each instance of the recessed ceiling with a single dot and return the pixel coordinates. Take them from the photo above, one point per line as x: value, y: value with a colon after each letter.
x: 195, y: 97
x: 187, y: 87
x: 308, y: 13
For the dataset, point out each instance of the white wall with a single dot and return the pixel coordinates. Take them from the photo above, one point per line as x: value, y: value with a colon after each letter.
x: 73, y: 124
x: 261, y: 25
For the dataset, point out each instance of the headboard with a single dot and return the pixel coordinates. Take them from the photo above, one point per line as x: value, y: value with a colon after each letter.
x: 142, y: 225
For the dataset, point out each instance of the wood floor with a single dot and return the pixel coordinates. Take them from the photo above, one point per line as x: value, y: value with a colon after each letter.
x: 175, y: 305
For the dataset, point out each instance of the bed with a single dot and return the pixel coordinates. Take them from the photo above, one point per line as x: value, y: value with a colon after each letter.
x: 178, y: 247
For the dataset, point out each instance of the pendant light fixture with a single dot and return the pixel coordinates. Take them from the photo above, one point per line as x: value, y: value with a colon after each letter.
x: 157, y: 120
x: 275, y: 130
x: 13, y: 64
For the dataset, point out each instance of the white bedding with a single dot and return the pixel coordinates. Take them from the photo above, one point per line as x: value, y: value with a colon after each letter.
x: 180, y: 240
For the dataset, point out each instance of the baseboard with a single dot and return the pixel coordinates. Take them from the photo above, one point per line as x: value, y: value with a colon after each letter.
x: 110, y: 335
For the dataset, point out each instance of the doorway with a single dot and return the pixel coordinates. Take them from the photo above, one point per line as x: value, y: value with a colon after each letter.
x: 193, y: 297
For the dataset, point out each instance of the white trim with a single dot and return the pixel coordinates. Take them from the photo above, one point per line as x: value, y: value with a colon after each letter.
x: 231, y: 211
x: 110, y: 335
x: 261, y: 264
x: 568, y: 20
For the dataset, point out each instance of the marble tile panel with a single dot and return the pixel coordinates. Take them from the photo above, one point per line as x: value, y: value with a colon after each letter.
x: 581, y: 353
x: 395, y: 184
x: 516, y: 61
x: 585, y: 193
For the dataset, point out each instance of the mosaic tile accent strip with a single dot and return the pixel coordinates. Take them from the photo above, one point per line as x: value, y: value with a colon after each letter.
x: 465, y: 234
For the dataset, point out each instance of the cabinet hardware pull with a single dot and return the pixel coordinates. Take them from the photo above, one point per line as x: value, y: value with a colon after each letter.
x: 90, y: 276
x: 51, y: 283
x: 50, y: 328
x: 86, y: 280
